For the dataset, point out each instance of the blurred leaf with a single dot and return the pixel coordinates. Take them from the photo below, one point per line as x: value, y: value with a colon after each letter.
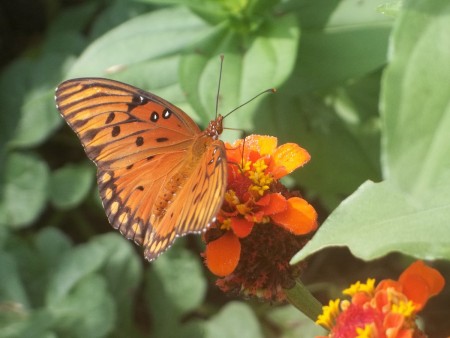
x: 12, y: 90
x: 344, y: 41
x: 18, y: 323
x: 266, y: 61
x: 39, y: 117
x: 74, y: 266
x: 123, y: 274
x: 51, y: 245
x: 292, y: 323
x: 176, y: 285
x: 70, y: 185
x: 341, y: 136
x: 156, y: 35
x: 407, y: 212
x: 115, y: 14
x: 235, y: 320
x: 12, y: 291
x: 87, y: 311
x: 25, y: 191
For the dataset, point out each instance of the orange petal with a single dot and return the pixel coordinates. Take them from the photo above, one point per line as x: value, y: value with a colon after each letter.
x: 264, y: 145
x: 421, y: 282
x: 241, y: 227
x: 272, y: 203
x: 222, y: 255
x: 287, y: 158
x: 234, y: 151
x: 300, y: 217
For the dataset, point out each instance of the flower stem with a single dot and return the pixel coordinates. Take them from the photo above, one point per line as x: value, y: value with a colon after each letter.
x: 302, y: 299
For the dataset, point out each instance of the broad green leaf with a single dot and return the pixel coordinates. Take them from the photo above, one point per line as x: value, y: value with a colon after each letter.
x: 292, y: 323
x: 26, y: 324
x: 12, y: 90
x: 380, y: 218
x: 266, y: 61
x: 340, y: 40
x: 168, y: 290
x: 123, y: 274
x: 342, y: 141
x: 74, y: 266
x: 409, y: 211
x: 416, y: 101
x: 13, y: 293
x: 235, y: 320
x: 51, y: 245
x: 153, y: 35
x: 70, y: 184
x: 87, y: 311
x: 24, y: 193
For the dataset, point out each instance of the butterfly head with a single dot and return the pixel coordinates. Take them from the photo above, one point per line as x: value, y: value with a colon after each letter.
x: 215, y: 128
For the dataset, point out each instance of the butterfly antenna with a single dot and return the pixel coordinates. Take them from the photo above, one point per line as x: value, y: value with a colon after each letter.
x: 270, y: 90
x: 218, y: 87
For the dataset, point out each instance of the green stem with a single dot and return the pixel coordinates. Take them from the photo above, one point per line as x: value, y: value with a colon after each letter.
x: 302, y: 299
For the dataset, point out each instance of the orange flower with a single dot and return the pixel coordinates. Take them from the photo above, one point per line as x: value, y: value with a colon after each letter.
x: 387, y: 310
x: 254, y: 199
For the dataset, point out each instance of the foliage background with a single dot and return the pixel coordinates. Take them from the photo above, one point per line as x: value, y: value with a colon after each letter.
x: 363, y: 85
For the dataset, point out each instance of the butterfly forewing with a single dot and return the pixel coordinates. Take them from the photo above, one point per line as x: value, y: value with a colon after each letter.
x: 119, y: 124
x: 153, y: 182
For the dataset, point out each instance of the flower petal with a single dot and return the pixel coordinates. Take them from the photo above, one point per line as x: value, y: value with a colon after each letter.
x: 264, y: 145
x: 287, y: 158
x: 241, y: 227
x: 272, y: 203
x: 300, y: 217
x: 421, y: 282
x: 222, y: 255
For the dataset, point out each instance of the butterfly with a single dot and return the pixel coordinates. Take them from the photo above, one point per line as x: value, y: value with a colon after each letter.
x: 159, y: 175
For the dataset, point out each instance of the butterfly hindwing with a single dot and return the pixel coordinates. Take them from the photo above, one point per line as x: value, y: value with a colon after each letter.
x: 195, y: 205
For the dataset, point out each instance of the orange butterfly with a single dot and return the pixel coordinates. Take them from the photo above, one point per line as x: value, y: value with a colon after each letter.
x: 159, y: 175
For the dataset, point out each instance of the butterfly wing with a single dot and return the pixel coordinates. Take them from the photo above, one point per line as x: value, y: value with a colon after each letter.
x: 141, y: 145
x: 196, y: 203
x: 119, y: 124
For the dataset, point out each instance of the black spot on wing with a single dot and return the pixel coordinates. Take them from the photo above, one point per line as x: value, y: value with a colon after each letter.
x: 110, y: 118
x: 139, y: 141
x: 115, y: 131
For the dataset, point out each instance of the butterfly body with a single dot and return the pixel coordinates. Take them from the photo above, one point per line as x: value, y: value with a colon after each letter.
x: 159, y: 175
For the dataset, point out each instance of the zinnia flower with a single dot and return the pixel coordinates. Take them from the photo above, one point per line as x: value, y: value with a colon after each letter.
x: 259, y: 226
x: 385, y: 311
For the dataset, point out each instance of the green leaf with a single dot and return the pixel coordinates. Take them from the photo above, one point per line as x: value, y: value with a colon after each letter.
x: 409, y: 211
x: 74, y: 266
x: 154, y: 35
x: 12, y: 291
x: 235, y: 320
x: 70, y: 185
x: 24, y: 194
x: 88, y: 311
x: 165, y: 286
x: 51, y: 245
x: 292, y: 323
x: 123, y: 274
x: 25, y: 324
x: 174, y: 287
x: 343, y: 41
x: 267, y: 61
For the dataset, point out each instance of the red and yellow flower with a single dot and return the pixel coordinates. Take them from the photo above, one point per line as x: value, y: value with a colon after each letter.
x: 259, y: 215
x: 385, y: 311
